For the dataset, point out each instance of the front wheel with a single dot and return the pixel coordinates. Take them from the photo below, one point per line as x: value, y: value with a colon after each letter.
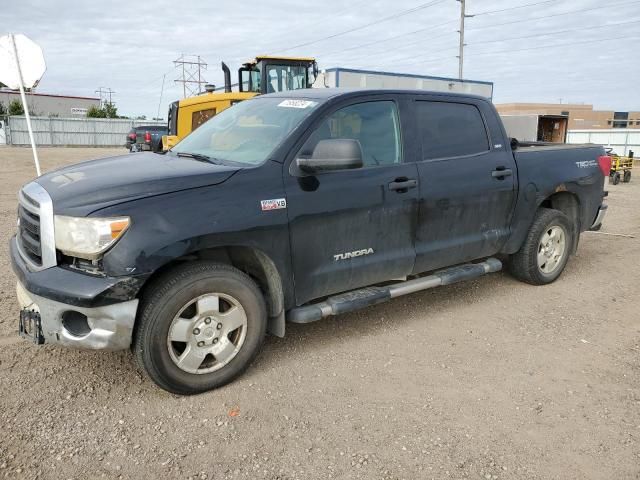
x: 627, y: 176
x: 615, y: 178
x: 545, y: 251
x: 200, y: 327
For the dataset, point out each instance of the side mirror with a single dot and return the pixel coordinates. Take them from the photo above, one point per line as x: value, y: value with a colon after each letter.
x: 333, y: 154
x: 514, y: 144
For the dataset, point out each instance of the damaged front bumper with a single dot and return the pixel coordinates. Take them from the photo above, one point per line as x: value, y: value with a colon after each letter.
x: 109, y: 327
x: 74, y: 309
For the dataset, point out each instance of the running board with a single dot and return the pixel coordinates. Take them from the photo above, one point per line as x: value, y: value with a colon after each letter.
x: 365, y: 297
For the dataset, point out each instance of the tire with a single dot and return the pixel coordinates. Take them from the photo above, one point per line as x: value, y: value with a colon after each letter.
x: 525, y: 264
x: 176, y: 307
x: 615, y: 178
x: 627, y: 176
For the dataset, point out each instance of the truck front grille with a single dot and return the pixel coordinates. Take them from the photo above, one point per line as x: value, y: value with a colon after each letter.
x: 29, y: 235
x: 36, y: 239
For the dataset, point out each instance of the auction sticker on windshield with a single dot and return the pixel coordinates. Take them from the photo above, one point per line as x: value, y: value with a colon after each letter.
x: 297, y: 103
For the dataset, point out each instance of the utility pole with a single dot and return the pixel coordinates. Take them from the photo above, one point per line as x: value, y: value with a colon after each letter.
x: 463, y: 15
x: 103, y: 92
x: 161, y: 92
x: 191, y: 79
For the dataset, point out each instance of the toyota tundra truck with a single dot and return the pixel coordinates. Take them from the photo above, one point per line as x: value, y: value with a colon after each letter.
x: 290, y: 207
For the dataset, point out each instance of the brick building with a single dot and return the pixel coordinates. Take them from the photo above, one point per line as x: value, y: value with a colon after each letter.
x: 580, y: 116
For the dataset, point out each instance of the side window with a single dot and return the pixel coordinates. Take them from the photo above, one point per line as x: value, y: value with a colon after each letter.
x: 450, y: 129
x: 374, y: 124
x: 201, y: 116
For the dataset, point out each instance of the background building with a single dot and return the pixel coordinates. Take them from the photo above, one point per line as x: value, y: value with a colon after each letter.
x: 42, y: 104
x: 581, y: 117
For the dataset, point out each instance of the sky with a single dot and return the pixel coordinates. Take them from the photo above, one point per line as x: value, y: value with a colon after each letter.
x: 569, y: 51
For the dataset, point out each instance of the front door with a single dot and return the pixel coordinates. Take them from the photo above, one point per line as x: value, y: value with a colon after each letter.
x: 353, y: 228
x: 467, y: 185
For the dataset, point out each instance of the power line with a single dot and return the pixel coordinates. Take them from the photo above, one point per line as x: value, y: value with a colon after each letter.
x: 409, y: 44
x: 556, y: 32
x: 394, y: 37
x: 366, y: 25
x: 320, y: 21
x: 430, y: 27
x: 553, y: 15
x: 538, y: 47
x: 513, y: 8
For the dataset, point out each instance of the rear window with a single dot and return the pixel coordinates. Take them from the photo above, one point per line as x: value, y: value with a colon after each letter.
x: 151, y: 128
x: 450, y: 129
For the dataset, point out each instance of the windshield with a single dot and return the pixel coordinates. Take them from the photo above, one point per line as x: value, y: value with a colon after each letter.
x: 248, y: 132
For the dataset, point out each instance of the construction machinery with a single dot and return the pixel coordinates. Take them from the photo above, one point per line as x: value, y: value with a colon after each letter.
x: 621, y: 167
x: 264, y: 74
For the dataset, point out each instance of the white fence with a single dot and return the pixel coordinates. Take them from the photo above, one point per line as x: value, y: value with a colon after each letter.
x: 622, y: 140
x: 85, y: 132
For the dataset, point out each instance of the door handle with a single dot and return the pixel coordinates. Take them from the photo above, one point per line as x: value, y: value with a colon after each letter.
x: 501, y: 172
x: 401, y: 185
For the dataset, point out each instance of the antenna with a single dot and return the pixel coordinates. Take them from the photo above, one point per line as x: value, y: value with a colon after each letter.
x: 191, y: 79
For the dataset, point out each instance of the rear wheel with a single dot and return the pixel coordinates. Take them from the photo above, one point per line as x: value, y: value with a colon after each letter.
x: 627, y: 176
x: 545, y: 251
x: 200, y: 327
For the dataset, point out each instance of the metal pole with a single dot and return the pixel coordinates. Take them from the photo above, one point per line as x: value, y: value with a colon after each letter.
x: 24, y: 103
x: 184, y: 83
x: 161, y: 92
x: 199, y: 91
x: 461, y: 47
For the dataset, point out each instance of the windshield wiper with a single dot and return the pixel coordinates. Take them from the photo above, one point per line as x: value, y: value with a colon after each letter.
x: 200, y: 157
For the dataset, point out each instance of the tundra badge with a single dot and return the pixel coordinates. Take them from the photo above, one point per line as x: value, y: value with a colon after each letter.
x: 356, y: 253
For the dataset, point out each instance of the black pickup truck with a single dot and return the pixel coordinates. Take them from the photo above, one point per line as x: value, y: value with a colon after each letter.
x: 291, y: 206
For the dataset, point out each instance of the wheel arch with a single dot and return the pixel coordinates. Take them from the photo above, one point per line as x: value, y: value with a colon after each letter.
x: 569, y: 204
x: 252, y: 261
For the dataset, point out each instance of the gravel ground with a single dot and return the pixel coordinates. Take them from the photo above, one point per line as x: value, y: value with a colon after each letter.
x: 490, y: 379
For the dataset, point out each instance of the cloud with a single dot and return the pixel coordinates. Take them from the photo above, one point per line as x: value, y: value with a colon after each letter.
x: 130, y: 46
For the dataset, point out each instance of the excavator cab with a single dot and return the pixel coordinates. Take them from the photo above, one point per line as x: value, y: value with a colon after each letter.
x: 264, y: 74
x: 268, y: 74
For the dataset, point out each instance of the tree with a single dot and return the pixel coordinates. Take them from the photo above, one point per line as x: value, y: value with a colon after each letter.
x: 110, y: 110
x: 3, y: 109
x: 95, y: 112
x: 16, y: 108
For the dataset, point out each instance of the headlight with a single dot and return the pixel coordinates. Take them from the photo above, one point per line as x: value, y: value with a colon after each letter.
x: 88, y: 237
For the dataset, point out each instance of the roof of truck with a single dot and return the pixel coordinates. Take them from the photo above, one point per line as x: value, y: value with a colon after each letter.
x: 326, y: 93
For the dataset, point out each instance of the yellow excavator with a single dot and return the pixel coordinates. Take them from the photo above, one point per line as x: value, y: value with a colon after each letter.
x: 264, y: 74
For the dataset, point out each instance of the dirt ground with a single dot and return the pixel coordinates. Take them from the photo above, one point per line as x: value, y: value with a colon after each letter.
x: 491, y: 379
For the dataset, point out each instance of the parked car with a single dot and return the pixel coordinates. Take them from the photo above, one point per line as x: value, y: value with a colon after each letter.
x: 146, y: 138
x: 295, y: 205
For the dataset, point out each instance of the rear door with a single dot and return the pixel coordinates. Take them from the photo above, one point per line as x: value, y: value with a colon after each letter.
x: 353, y: 228
x: 467, y: 182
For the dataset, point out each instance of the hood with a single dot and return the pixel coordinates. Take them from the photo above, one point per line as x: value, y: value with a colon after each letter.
x: 85, y: 187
